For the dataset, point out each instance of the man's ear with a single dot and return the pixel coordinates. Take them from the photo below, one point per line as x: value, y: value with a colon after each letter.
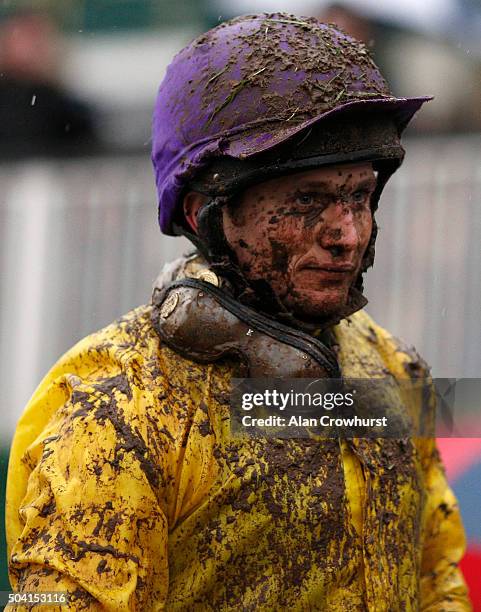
x: 193, y: 201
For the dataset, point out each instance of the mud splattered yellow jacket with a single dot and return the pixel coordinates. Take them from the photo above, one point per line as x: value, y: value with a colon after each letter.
x: 126, y: 491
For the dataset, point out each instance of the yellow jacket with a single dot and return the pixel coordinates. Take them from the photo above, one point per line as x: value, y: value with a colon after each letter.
x: 126, y: 491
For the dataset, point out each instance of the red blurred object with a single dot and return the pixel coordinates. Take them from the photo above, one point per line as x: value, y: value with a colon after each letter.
x: 471, y: 568
x: 459, y: 456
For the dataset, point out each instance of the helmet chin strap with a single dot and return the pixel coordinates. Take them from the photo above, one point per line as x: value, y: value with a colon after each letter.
x: 212, y: 243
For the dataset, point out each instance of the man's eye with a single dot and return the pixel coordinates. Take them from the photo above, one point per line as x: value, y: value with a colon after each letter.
x: 360, y: 196
x: 305, y: 199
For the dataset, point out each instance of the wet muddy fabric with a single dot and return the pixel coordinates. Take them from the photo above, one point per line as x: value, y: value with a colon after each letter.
x: 126, y: 490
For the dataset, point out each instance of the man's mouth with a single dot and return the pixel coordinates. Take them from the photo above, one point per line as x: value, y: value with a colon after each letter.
x: 330, y: 273
x: 338, y: 269
x: 334, y: 268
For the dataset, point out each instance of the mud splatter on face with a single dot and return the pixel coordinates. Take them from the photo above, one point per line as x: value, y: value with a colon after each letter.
x: 306, y: 235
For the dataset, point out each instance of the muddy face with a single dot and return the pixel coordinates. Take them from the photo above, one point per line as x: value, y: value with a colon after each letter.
x: 305, y: 234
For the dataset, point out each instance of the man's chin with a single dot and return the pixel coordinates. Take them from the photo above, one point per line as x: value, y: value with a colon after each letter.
x: 319, y: 305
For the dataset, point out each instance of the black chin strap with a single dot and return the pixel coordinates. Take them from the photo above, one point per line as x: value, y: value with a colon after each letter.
x: 217, y: 251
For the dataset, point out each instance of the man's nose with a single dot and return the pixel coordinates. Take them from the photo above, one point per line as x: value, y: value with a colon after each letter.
x: 338, y: 231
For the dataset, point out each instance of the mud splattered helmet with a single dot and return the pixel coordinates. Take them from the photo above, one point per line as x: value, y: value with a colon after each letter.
x: 264, y: 95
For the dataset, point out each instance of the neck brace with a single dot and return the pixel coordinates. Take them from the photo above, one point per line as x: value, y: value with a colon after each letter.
x: 195, y: 315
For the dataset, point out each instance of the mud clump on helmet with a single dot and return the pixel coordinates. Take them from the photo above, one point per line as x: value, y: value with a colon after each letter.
x: 328, y: 68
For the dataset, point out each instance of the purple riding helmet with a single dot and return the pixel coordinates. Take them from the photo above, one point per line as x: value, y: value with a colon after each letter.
x: 264, y: 95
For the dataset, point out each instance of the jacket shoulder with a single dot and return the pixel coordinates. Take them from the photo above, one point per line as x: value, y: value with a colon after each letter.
x: 119, y: 348
x: 402, y: 360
